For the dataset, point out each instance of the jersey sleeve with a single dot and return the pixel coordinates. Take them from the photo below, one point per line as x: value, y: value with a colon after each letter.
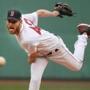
x: 31, y: 16
x: 31, y: 43
x: 30, y: 47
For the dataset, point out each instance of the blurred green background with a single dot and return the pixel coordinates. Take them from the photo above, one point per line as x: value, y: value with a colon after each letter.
x: 17, y: 66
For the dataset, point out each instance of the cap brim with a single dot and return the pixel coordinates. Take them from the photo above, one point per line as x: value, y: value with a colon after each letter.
x: 12, y: 18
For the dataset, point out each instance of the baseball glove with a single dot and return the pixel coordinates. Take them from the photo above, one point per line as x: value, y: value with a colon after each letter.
x: 63, y: 9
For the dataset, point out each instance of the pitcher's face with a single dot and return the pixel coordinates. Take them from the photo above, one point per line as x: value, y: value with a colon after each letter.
x: 13, y: 26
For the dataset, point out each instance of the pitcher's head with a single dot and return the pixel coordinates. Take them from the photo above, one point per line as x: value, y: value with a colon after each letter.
x: 13, y: 21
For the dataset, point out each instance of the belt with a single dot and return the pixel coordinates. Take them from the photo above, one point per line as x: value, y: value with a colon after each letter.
x: 50, y: 53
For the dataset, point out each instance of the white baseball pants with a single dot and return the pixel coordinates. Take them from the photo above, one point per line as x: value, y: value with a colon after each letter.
x: 63, y: 56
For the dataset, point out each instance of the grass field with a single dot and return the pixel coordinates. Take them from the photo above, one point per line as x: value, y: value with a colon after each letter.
x: 46, y: 85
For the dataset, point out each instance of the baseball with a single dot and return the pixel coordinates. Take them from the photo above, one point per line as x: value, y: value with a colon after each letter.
x: 2, y: 61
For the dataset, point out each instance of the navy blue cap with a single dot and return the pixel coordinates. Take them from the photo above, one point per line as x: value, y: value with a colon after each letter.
x: 14, y: 15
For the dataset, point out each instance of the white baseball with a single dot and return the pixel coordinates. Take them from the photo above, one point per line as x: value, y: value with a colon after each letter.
x: 2, y: 61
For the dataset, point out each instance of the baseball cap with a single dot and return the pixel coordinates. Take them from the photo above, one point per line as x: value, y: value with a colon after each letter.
x: 14, y: 15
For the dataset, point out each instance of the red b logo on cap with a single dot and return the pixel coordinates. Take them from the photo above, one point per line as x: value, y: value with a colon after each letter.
x: 12, y: 13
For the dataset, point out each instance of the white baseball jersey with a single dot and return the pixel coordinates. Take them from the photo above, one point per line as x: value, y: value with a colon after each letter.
x: 32, y: 36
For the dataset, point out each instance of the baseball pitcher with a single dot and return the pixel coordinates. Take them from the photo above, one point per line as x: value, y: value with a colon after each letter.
x: 41, y: 45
